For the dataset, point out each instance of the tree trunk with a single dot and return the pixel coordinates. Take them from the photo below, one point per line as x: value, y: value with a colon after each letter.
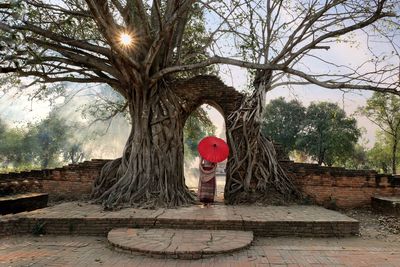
x: 150, y: 172
x: 394, y: 150
x: 253, y: 171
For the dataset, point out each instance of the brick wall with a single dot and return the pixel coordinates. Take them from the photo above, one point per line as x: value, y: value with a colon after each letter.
x: 207, y: 89
x: 333, y: 186
x: 69, y: 182
x: 324, y: 185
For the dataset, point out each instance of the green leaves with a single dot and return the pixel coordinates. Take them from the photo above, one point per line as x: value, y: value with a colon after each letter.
x: 328, y: 135
x: 322, y: 131
x: 197, y: 126
x: 49, y: 143
x: 282, y: 122
x: 384, y: 111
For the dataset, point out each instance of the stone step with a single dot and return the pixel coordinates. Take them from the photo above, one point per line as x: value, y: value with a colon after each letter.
x: 87, y: 219
x: 23, y: 202
x: 390, y: 205
x: 179, y: 243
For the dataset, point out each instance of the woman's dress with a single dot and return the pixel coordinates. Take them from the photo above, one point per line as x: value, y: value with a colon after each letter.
x: 207, y: 181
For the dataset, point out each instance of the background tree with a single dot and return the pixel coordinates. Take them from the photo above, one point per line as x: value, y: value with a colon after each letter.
x: 48, y: 143
x: 198, y: 125
x: 384, y: 111
x: 328, y: 134
x: 12, y: 150
x: 74, y: 153
x: 2, y: 136
x: 359, y: 159
x: 3, y: 127
x: 136, y: 48
x: 380, y: 155
x: 282, y: 122
x: 50, y: 139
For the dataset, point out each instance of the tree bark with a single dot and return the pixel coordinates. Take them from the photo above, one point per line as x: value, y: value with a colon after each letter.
x: 150, y: 172
x: 253, y: 169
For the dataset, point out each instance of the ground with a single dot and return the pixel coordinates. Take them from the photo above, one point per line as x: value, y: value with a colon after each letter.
x: 376, y: 226
x: 94, y: 251
x: 377, y: 245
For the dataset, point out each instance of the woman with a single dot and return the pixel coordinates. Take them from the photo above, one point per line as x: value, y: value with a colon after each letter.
x: 207, y: 181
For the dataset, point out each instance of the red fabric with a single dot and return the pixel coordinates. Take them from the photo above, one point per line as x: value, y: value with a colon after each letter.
x: 213, y: 149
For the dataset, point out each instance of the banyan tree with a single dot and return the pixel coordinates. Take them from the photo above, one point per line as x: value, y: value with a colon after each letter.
x: 145, y: 49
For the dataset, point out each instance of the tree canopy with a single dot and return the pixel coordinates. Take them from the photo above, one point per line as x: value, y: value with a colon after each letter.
x: 380, y: 155
x: 47, y: 143
x: 322, y: 131
x: 384, y: 111
x: 328, y: 134
x: 197, y: 126
x: 84, y: 44
x: 282, y: 121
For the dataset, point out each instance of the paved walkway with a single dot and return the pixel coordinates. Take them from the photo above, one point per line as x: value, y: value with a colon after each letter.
x: 178, y: 243
x: 94, y: 251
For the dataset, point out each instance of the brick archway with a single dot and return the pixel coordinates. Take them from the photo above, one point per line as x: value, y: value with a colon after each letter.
x: 210, y: 90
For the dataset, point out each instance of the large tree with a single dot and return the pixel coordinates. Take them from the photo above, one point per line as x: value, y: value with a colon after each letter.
x: 138, y: 48
x: 282, y: 121
x: 47, y: 143
x: 380, y: 155
x: 328, y: 135
x: 384, y: 111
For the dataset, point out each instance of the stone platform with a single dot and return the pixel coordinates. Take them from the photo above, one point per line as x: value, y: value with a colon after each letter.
x: 88, y: 219
x: 177, y: 243
x: 23, y: 202
x: 386, y: 204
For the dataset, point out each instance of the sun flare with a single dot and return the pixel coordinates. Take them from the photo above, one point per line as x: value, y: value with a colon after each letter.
x: 126, y: 39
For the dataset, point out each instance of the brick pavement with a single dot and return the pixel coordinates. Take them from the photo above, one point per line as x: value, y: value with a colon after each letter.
x: 87, y: 219
x: 178, y: 243
x: 94, y: 251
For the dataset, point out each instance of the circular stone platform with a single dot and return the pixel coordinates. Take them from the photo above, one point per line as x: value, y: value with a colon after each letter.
x: 179, y: 243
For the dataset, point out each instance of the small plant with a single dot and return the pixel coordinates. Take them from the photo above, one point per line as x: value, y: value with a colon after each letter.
x: 331, y: 204
x: 39, y: 229
x: 307, y: 200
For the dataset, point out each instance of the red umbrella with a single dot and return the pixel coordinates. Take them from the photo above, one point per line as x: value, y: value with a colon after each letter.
x: 213, y: 149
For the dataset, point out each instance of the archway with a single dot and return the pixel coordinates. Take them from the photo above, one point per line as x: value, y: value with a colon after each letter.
x: 206, y: 120
x: 208, y: 90
x: 199, y: 90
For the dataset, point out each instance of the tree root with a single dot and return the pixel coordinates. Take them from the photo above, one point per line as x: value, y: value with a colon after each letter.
x: 253, y: 168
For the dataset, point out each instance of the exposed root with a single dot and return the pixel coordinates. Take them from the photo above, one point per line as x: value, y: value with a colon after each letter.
x: 253, y: 167
x: 150, y: 172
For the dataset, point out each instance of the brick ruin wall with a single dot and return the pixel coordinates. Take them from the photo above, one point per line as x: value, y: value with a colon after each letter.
x: 323, y: 185
x: 340, y: 187
x: 72, y: 182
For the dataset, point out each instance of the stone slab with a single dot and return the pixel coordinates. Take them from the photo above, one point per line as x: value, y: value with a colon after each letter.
x: 182, y: 244
x: 386, y: 204
x: 23, y: 202
x: 89, y: 219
